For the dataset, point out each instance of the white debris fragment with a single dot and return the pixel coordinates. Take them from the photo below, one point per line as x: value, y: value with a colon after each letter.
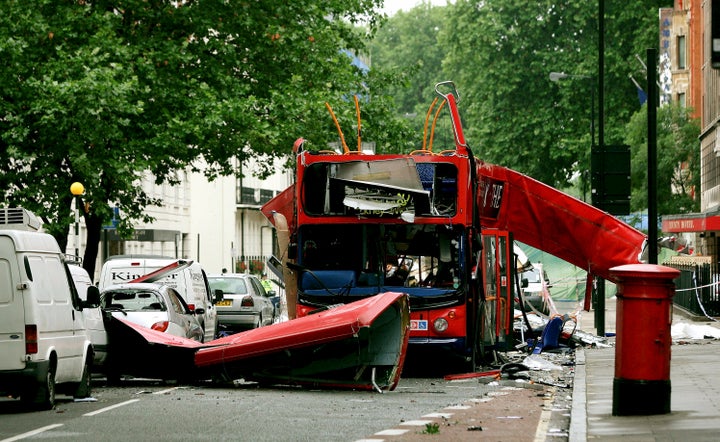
x: 683, y: 330
x: 537, y: 362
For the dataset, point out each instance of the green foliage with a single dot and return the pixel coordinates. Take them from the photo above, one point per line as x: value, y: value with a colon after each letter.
x: 521, y: 119
x: 677, y: 143
x: 500, y: 54
x: 432, y: 428
x: 408, y: 55
x: 407, y: 44
x: 103, y: 92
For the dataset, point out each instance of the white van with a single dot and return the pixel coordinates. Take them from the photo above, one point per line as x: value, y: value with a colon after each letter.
x: 92, y: 313
x: 43, y: 341
x: 187, y: 277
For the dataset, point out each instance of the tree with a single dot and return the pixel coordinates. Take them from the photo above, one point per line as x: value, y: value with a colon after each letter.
x: 677, y: 145
x: 501, y: 54
x: 408, y: 45
x: 408, y: 49
x: 104, y: 92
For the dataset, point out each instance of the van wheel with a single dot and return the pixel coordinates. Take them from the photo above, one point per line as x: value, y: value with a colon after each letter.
x: 84, y: 388
x: 41, y: 396
x: 46, y: 398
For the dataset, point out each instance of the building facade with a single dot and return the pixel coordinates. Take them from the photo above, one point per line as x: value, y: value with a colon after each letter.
x: 216, y: 223
x: 696, y: 84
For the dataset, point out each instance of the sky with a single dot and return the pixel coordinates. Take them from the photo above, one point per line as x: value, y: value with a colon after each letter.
x: 392, y: 6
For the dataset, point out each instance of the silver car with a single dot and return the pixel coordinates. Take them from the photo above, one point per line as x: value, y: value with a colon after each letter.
x: 155, y: 306
x: 245, y: 303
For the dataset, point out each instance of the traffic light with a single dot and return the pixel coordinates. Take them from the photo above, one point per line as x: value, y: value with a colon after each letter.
x: 610, y: 178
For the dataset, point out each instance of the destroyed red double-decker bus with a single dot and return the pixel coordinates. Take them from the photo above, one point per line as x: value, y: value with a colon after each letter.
x: 411, y: 248
x: 436, y: 225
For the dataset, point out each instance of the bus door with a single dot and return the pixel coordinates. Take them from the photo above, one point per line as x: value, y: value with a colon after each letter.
x: 498, y: 269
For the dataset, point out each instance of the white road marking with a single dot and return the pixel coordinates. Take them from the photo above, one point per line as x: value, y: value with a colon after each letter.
x: 417, y: 423
x: 168, y: 390
x: 391, y: 432
x: 541, y: 432
x: 440, y: 415
x: 102, y: 410
x: 31, y: 433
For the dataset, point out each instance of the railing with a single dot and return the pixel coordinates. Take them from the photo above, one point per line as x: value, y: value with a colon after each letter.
x: 697, y: 288
x: 254, y: 264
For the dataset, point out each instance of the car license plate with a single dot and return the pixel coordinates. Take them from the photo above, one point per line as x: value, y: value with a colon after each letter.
x: 224, y: 303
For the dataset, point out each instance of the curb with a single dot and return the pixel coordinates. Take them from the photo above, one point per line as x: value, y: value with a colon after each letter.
x: 578, y: 414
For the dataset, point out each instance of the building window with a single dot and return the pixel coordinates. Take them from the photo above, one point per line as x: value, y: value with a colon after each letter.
x: 681, y: 99
x: 681, y: 52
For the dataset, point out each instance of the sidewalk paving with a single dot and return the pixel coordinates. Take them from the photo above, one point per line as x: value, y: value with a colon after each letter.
x: 694, y: 397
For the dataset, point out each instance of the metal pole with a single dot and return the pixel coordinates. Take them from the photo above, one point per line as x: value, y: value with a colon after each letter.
x: 106, y: 251
x: 652, y: 98
x: 588, y: 174
x: 600, y: 309
x: 77, y: 226
x: 592, y: 115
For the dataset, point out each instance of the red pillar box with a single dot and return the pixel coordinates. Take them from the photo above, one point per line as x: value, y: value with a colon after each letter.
x: 642, y: 345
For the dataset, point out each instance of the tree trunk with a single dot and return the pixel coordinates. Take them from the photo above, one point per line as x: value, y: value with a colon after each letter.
x: 93, y: 224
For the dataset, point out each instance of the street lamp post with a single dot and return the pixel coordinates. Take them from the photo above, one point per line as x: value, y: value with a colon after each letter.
x: 77, y: 189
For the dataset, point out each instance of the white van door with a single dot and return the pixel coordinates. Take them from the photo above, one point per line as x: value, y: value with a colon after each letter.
x: 92, y: 315
x: 12, y: 310
x: 202, y: 286
x: 60, y: 323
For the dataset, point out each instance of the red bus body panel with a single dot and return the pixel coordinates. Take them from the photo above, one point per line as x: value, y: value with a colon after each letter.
x: 360, y: 345
x: 556, y: 223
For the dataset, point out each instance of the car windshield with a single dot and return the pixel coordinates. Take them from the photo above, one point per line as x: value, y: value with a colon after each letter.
x: 229, y: 285
x: 133, y: 300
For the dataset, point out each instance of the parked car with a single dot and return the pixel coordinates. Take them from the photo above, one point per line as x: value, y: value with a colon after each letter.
x: 155, y: 306
x: 188, y: 278
x: 245, y: 303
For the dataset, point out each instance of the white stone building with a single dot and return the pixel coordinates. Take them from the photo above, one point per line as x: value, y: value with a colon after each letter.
x: 217, y: 223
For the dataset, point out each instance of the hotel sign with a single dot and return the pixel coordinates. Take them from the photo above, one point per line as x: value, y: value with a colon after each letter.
x: 695, y: 224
